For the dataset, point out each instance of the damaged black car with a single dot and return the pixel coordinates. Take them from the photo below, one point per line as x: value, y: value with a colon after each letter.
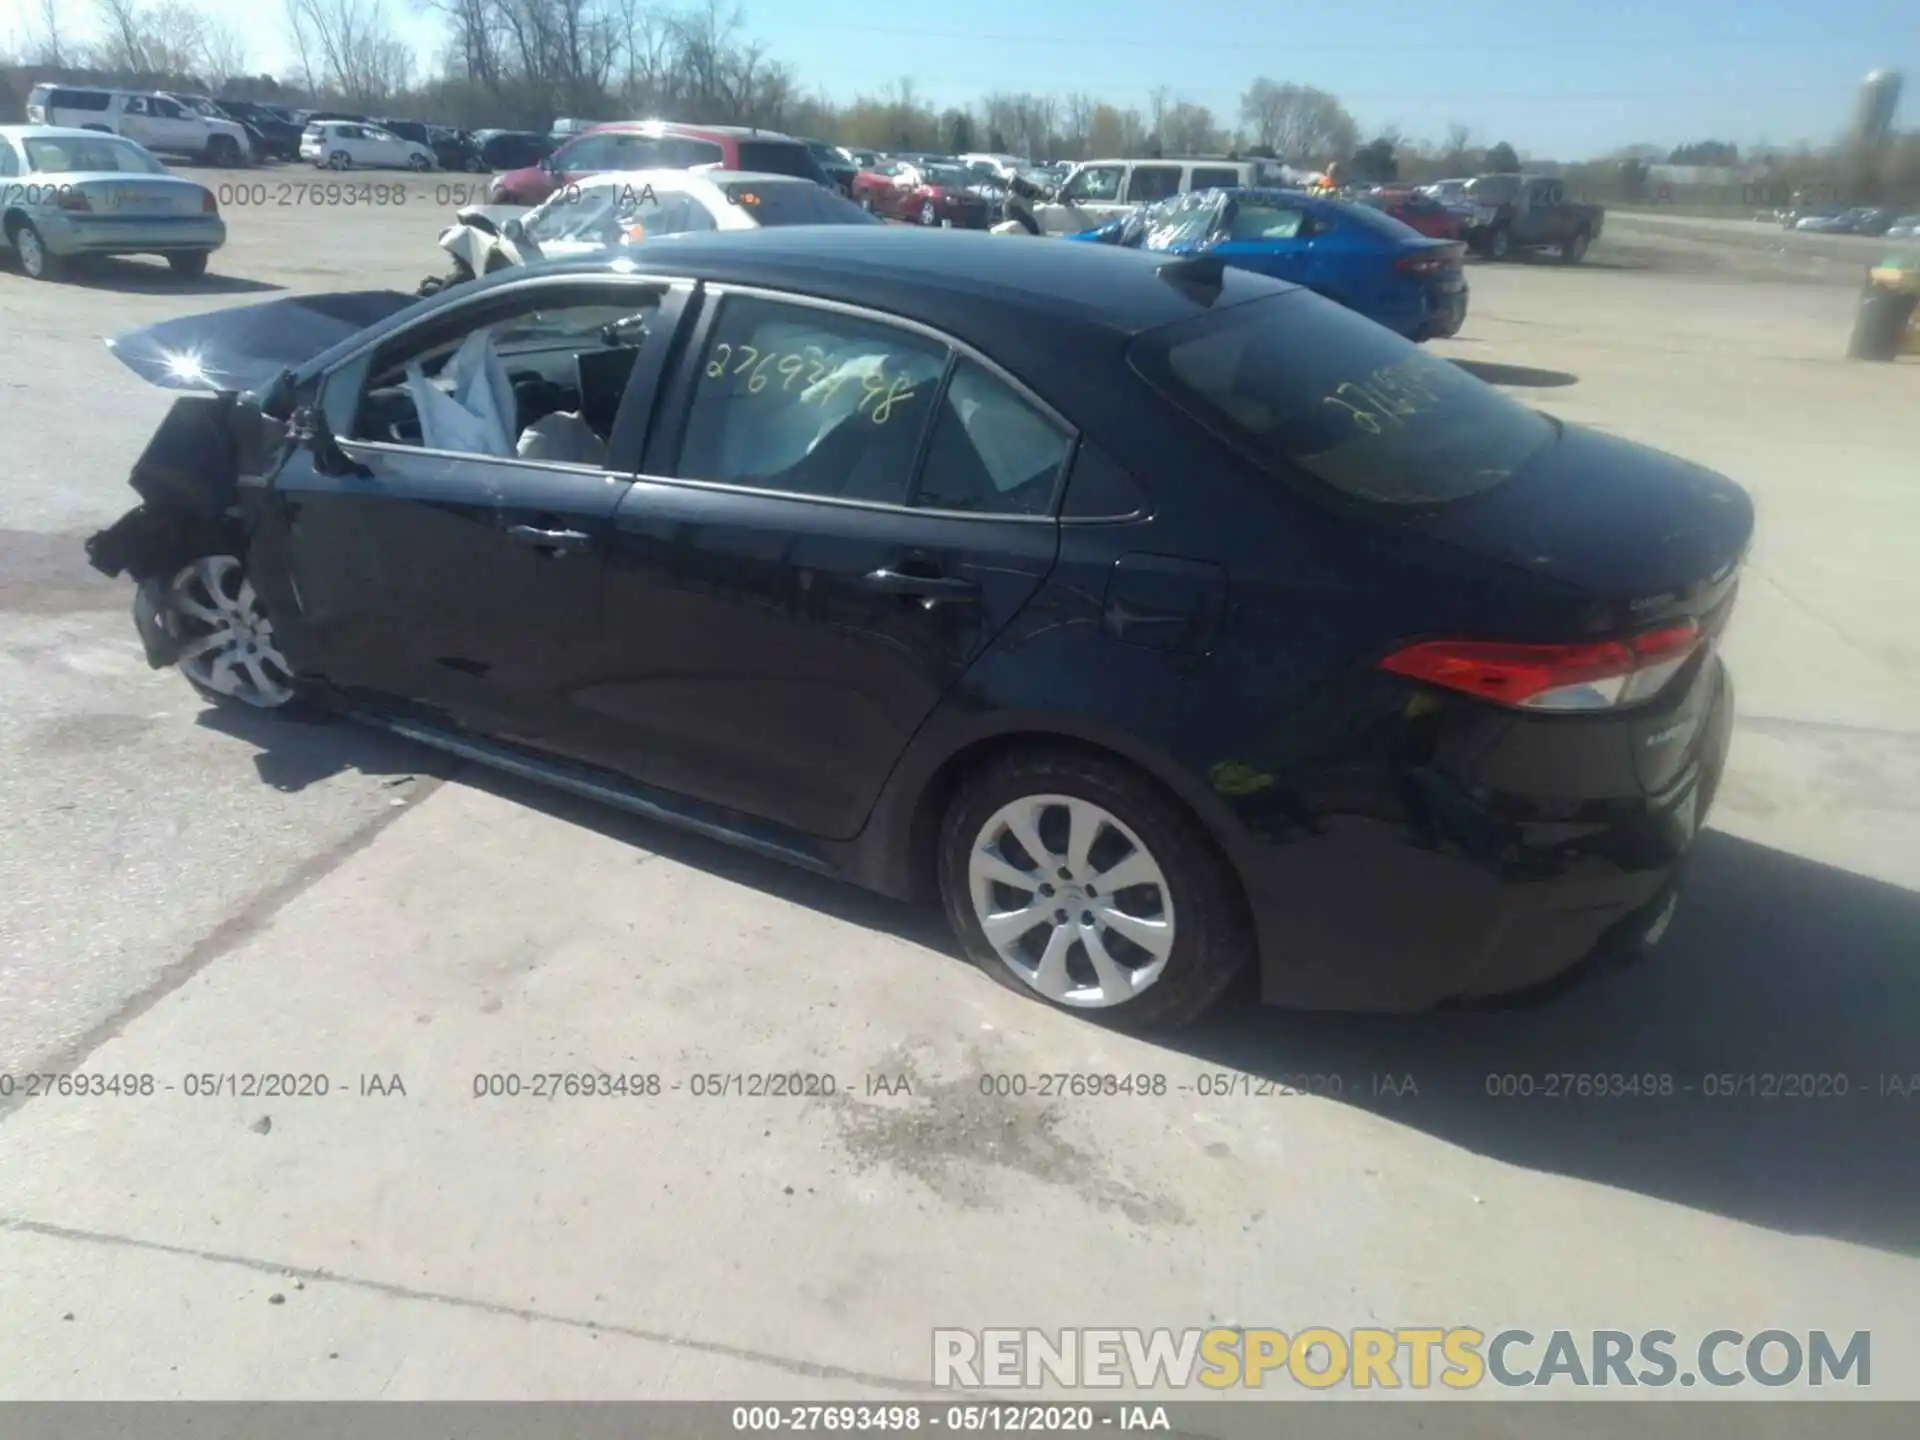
x: 1158, y: 618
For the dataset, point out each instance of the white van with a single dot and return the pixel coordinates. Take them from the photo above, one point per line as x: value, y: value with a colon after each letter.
x: 159, y: 122
x: 1097, y: 191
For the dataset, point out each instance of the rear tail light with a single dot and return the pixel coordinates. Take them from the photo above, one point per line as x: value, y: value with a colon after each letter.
x: 1590, y: 675
x: 208, y: 205
x: 72, y: 200
x: 1431, y: 262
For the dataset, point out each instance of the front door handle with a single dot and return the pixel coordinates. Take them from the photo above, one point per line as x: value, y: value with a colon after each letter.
x: 929, y: 588
x: 557, y: 541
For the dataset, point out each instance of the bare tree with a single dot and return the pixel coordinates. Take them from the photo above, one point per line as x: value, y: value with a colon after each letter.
x: 1157, y: 99
x: 1187, y: 129
x: 223, y: 54
x: 346, y: 47
x: 46, y: 42
x: 1298, y: 122
x: 1459, y: 150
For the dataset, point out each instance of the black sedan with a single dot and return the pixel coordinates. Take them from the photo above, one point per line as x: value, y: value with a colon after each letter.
x: 1159, y: 617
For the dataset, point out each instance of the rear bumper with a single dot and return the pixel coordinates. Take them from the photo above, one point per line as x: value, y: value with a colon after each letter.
x: 1392, y: 914
x: 101, y: 235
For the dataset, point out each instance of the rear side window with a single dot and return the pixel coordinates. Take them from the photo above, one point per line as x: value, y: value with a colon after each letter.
x: 1153, y: 182
x: 677, y: 152
x: 774, y: 157
x: 79, y: 99
x: 1300, y: 384
x: 1207, y: 179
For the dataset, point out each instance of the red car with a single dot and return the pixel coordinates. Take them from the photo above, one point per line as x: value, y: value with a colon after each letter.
x: 923, y: 194
x: 658, y: 145
x: 1421, y: 212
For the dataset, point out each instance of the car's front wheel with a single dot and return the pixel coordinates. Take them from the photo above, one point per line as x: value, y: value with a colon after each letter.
x: 1076, y: 880
x: 419, y: 162
x: 189, y: 264
x: 227, y: 646
x: 1575, y: 250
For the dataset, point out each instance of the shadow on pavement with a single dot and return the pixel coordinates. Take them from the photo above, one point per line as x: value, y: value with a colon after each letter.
x: 1496, y: 374
x: 1775, y: 966
x: 1774, y: 1036
x: 295, y: 750
x: 136, y: 277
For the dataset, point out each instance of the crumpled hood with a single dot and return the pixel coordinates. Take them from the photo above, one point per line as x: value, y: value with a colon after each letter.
x: 246, y: 347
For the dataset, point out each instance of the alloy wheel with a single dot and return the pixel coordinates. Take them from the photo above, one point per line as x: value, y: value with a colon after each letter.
x: 32, y: 251
x: 338, y: 160
x: 228, y: 640
x: 928, y: 216
x: 1071, y: 900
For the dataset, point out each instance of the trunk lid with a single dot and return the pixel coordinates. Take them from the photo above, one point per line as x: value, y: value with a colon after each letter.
x: 1653, y: 534
x: 132, y: 196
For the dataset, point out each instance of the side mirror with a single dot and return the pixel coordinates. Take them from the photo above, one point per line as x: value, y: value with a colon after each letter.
x: 309, y: 428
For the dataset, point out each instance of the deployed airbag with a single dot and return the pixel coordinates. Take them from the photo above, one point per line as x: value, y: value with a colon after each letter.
x: 469, y: 406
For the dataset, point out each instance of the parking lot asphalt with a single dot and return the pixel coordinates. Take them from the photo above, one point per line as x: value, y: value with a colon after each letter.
x: 188, y: 893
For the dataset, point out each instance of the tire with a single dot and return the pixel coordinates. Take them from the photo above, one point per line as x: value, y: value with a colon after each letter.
x: 1880, y: 325
x: 419, y: 163
x: 30, y: 249
x: 1499, y: 243
x: 928, y: 215
x: 190, y: 264
x: 227, y: 650
x: 1186, y: 886
x: 475, y: 165
x: 339, y: 160
x: 1575, y: 250
x: 224, y: 151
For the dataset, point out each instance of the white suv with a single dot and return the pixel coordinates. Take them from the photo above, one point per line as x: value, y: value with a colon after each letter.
x: 345, y: 144
x: 159, y: 122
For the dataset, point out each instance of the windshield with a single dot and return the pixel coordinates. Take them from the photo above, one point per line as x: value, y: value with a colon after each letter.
x: 948, y: 177
x: 108, y: 153
x: 1305, y: 386
x: 596, y: 214
x: 798, y: 203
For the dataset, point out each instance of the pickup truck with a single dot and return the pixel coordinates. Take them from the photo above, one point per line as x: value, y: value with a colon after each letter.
x: 1529, y: 212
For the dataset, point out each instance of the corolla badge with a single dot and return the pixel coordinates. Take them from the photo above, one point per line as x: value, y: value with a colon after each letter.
x: 1671, y: 733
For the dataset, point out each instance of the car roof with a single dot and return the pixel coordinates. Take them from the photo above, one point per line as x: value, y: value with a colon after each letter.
x: 674, y: 127
x: 985, y: 289
x: 671, y: 177
x: 58, y: 132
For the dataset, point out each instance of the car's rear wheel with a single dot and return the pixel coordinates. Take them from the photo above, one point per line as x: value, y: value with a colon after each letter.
x: 1073, y: 879
x: 474, y: 165
x: 1499, y: 243
x: 190, y: 264
x: 419, y: 162
x: 928, y: 215
x: 1880, y: 327
x: 227, y: 649
x: 339, y: 160
x: 36, y: 261
x: 1575, y: 250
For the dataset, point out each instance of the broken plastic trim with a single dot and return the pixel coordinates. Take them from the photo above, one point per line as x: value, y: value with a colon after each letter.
x: 1199, y: 276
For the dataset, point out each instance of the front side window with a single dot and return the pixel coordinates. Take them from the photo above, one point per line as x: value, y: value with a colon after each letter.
x: 1220, y: 178
x: 166, y: 109
x: 1306, y: 387
x: 776, y: 157
x: 679, y: 152
x: 811, y: 401
x: 1256, y: 220
x: 540, y: 377
x: 1097, y: 183
x: 992, y: 451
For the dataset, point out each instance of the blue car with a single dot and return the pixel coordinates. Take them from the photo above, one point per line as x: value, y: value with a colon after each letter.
x: 1367, y: 261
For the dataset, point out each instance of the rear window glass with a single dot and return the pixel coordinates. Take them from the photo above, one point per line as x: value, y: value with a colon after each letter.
x: 1378, y: 220
x: 104, y: 154
x: 775, y: 158
x: 799, y: 204
x: 1301, y: 384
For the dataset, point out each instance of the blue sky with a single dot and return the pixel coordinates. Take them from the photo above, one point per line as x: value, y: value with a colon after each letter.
x: 1556, y: 79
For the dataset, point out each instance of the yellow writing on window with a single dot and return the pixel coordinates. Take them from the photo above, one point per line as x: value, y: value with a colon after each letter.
x: 1390, y: 396
x: 752, y: 371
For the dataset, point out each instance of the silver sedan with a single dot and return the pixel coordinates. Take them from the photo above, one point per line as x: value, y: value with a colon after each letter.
x: 66, y: 193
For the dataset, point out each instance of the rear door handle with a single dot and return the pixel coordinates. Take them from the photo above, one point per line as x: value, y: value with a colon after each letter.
x: 925, y: 587
x: 561, y: 541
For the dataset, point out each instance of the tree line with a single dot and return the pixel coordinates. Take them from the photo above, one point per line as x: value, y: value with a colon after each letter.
x: 521, y: 64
